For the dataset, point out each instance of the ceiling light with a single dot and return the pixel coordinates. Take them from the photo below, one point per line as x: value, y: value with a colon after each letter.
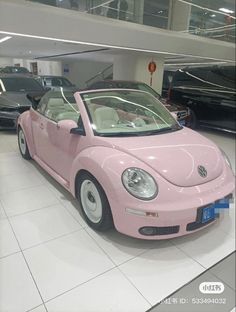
x: 5, y: 39
x: 226, y: 10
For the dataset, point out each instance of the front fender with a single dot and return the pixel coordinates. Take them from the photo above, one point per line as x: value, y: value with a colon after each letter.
x: 99, y: 161
x: 24, y: 121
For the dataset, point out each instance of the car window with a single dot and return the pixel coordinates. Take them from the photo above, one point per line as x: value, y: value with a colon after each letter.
x: 224, y: 76
x: 21, y: 84
x: 57, y: 82
x: 146, y: 88
x: 98, y: 85
x: 59, y: 105
x: 15, y: 70
x: 42, y: 104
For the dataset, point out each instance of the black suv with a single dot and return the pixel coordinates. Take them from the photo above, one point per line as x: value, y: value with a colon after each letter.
x: 210, y: 94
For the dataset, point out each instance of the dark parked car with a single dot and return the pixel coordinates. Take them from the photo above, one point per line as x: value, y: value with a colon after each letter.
x: 13, y: 99
x: 181, y: 112
x: 210, y: 93
x: 15, y: 70
x: 52, y: 82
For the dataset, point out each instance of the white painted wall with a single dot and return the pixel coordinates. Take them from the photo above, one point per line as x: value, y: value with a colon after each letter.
x: 83, y: 70
x: 6, y: 61
x: 49, y: 68
x: 136, y: 68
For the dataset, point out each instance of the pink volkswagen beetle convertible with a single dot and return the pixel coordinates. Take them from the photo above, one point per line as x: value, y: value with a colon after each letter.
x: 127, y: 161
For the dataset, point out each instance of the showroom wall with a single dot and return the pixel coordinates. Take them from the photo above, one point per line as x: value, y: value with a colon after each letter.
x: 135, y: 67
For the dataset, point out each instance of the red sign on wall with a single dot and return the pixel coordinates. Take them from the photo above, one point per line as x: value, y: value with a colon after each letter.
x: 152, y: 67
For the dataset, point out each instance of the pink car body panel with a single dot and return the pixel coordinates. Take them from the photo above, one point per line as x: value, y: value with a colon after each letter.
x: 172, y: 159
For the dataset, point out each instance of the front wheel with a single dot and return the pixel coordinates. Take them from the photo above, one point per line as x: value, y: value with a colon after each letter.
x: 23, y: 145
x: 94, y: 203
x: 193, y: 120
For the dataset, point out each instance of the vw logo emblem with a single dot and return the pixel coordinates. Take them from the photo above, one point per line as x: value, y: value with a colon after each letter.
x: 202, y: 171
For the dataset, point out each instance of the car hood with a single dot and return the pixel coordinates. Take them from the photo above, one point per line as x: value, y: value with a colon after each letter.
x: 14, y: 99
x: 176, y: 156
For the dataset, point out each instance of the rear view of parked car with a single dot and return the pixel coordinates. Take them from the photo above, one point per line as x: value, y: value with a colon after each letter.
x: 15, y: 70
x: 210, y: 94
x: 13, y: 99
x: 52, y: 82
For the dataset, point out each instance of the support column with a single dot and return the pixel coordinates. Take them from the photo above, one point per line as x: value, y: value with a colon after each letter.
x: 135, y: 68
x: 138, y: 11
x: 179, y: 16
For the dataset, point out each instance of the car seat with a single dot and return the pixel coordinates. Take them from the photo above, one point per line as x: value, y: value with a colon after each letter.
x: 55, y: 106
x: 68, y: 115
x: 106, y: 117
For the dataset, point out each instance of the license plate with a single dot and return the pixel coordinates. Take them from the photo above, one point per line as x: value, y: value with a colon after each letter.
x: 208, y: 213
x: 222, y: 203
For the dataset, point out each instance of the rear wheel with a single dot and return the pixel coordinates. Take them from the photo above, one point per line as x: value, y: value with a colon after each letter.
x: 94, y: 203
x: 23, y: 144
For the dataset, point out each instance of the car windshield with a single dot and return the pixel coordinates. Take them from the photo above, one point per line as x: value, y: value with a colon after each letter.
x: 21, y: 84
x: 127, y: 113
x: 56, y: 82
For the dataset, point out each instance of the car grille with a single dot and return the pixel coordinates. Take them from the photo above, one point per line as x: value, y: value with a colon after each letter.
x: 19, y: 109
x: 7, y: 123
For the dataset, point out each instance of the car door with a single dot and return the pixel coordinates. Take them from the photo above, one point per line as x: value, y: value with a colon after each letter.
x: 56, y: 146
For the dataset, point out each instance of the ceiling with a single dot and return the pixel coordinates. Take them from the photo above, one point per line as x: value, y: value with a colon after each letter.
x: 41, y: 49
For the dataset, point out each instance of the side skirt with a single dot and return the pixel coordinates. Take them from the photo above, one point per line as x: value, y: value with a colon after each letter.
x: 52, y: 173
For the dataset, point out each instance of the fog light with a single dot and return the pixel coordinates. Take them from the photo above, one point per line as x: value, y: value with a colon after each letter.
x: 148, y: 231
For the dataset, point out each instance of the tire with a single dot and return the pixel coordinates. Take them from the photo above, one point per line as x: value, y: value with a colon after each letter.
x: 193, y: 120
x: 94, y: 203
x: 23, y: 147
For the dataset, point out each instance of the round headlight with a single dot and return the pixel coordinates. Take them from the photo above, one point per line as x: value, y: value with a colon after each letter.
x: 226, y: 159
x: 139, y: 183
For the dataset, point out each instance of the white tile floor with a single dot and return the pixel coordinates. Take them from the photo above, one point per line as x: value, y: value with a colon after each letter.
x: 51, y: 261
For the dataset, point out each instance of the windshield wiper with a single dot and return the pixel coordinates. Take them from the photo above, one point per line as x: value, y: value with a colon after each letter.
x: 143, y: 133
x: 118, y: 134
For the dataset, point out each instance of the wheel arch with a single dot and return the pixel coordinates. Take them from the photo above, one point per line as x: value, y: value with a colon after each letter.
x: 24, y: 122
x: 94, y: 160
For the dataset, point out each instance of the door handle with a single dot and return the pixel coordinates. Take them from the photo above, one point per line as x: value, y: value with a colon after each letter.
x: 41, y: 126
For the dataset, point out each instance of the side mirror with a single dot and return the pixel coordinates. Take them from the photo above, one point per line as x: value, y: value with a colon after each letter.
x: 70, y: 126
x: 35, y: 98
x: 79, y: 131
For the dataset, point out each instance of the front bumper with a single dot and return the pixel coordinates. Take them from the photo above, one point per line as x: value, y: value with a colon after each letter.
x: 175, y: 215
x: 8, y: 120
x: 8, y: 117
